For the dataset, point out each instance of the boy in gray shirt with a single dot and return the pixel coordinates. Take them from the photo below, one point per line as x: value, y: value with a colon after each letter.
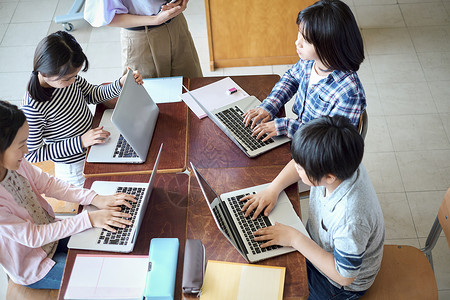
x: 345, y: 223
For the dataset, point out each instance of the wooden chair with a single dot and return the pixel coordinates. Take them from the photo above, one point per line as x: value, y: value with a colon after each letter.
x: 20, y: 292
x: 407, y: 272
x: 363, y: 124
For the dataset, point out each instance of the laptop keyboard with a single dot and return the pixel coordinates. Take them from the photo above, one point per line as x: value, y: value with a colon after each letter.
x: 249, y: 226
x: 232, y: 118
x: 122, y: 235
x: 123, y: 149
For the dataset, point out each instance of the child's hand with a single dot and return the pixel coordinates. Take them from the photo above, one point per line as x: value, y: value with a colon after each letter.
x: 264, y: 200
x: 277, y: 234
x: 94, y: 136
x: 113, y: 202
x: 263, y: 128
x: 136, y: 75
x: 255, y: 115
x: 105, y: 218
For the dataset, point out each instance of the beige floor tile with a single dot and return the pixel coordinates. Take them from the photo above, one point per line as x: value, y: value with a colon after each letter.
x: 387, y: 41
x: 14, y: 85
x: 201, y: 45
x: 446, y: 122
x: 376, y: 16
x: 195, y: 7
x: 365, y: 72
x: 104, y: 34
x: 444, y: 294
x: 436, y: 65
x: 425, y: 14
x: 425, y: 170
x: 383, y: 172
x: 409, y: 242
x: 25, y: 34
x: 197, y: 25
x: 6, y: 11
x: 441, y: 262
x: 374, y: 107
x: 30, y: 11
x: 440, y: 90
x: 392, y: 68
x: 378, y: 138
x: 16, y: 59
x: 417, y: 132
x: 374, y: 2
x: 406, y: 98
x: 424, y: 207
x: 397, y: 216
x: 430, y: 38
x: 82, y: 30
x: 304, y: 207
x: 3, y: 28
x: 104, y: 55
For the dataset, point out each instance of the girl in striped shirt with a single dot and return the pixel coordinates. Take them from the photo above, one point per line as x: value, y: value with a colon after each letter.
x: 56, y: 106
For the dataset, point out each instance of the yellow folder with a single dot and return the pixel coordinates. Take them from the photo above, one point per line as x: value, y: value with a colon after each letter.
x: 229, y: 281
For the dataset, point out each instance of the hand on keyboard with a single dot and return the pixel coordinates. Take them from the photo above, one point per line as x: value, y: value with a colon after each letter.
x: 255, y: 115
x: 267, y: 128
x: 278, y: 234
x: 113, y: 202
x: 108, y: 219
x: 264, y: 200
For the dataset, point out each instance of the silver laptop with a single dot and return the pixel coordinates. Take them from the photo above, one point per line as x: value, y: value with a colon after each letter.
x: 226, y: 211
x: 230, y: 120
x: 131, y: 125
x: 125, y: 238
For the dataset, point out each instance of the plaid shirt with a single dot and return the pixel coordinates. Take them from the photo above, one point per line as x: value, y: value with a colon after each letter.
x: 340, y: 93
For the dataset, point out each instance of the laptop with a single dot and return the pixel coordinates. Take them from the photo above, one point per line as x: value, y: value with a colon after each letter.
x: 125, y: 238
x: 230, y: 120
x: 131, y: 124
x: 226, y: 211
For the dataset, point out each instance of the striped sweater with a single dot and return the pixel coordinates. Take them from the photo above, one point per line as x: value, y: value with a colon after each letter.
x: 56, y: 126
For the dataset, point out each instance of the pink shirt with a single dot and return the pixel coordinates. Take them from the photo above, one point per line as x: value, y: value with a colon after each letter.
x: 21, y: 254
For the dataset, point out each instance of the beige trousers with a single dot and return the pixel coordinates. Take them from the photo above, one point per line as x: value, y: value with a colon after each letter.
x: 163, y: 51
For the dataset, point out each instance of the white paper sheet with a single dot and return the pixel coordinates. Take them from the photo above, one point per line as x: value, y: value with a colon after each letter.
x: 213, y: 96
x: 107, y: 277
x: 164, y: 89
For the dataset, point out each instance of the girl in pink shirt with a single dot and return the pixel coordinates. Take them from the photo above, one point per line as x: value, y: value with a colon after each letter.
x: 33, y: 243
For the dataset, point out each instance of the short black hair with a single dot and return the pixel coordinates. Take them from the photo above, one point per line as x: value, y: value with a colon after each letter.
x: 329, y: 25
x: 11, y: 119
x: 58, y: 54
x: 328, y: 145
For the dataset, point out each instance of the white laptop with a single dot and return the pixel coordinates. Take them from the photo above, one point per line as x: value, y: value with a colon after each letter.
x: 230, y: 120
x: 125, y: 238
x: 131, y: 124
x: 226, y: 211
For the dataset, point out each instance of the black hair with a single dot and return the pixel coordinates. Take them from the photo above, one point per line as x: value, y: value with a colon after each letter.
x: 58, y: 54
x: 11, y: 119
x: 328, y: 145
x: 329, y: 25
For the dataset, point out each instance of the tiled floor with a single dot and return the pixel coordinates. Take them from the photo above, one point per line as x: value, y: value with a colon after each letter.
x: 406, y: 76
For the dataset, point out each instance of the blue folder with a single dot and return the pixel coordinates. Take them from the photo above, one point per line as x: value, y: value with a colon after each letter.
x: 163, y: 257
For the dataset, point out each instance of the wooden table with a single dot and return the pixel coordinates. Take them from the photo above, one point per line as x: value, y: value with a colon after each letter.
x: 165, y: 217
x: 171, y: 129
x: 209, y: 147
x: 201, y: 225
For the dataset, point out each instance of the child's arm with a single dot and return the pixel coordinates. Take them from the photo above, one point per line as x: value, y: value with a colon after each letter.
x: 283, y: 235
x: 266, y: 199
x: 94, y: 94
x: 40, y: 151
